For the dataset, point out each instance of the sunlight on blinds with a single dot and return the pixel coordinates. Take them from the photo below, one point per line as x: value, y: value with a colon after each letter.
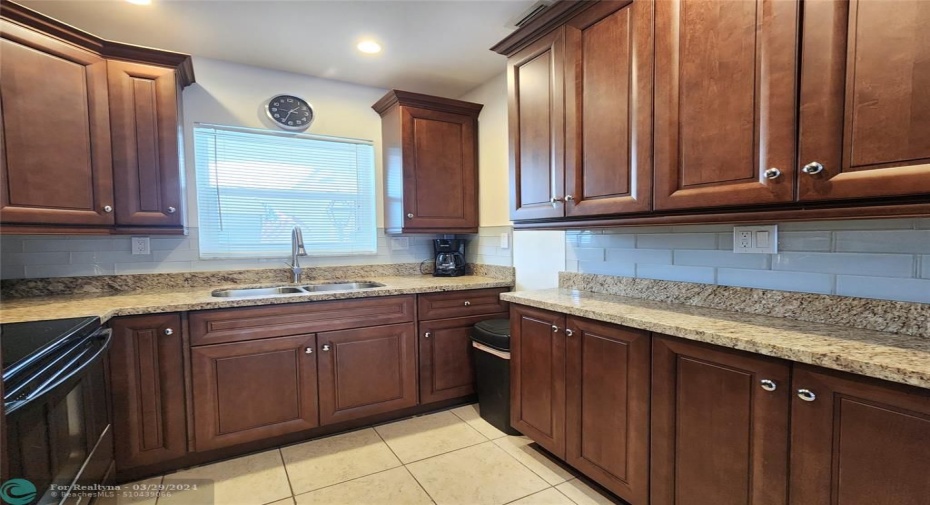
x: 254, y: 186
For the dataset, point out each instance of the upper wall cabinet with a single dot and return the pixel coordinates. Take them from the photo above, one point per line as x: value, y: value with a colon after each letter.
x: 687, y: 111
x: 581, y: 116
x: 725, y: 102
x: 90, y: 131
x: 865, y: 100
x: 430, y: 149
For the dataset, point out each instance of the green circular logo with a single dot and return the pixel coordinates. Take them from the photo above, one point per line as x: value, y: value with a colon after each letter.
x: 18, y: 492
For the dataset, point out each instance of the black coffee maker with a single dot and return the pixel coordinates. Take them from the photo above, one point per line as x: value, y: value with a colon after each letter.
x: 450, y: 257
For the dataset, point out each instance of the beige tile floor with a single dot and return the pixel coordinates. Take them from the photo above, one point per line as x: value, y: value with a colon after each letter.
x: 452, y: 457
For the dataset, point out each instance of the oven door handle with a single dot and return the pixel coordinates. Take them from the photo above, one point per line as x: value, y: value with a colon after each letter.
x: 67, y: 373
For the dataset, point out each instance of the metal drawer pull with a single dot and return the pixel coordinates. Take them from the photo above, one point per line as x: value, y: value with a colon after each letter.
x: 568, y: 332
x: 772, y: 173
x: 325, y: 347
x: 812, y: 168
x: 555, y: 329
x: 806, y: 395
x: 108, y: 209
x: 308, y: 350
x: 768, y: 385
x: 427, y: 335
x: 172, y: 210
x: 169, y: 331
x: 467, y: 303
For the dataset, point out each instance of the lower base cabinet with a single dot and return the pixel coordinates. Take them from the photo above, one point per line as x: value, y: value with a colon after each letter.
x: 367, y: 371
x: 447, y: 365
x: 855, y: 441
x: 580, y: 389
x: 719, y: 425
x: 148, y: 393
x: 253, y: 390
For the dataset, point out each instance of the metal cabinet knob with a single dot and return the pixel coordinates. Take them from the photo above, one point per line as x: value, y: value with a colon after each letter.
x: 326, y: 347
x: 427, y: 335
x: 169, y: 331
x: 108, y: 209
x: 555, y: 329
x: 410, y: 215
x: 308, y: 350
x: 569, y: 198
x: 568, y: 332
x: 812, y: 168
x: 555, y: 200
x: 467, y: 303
x: 806, y: 395
x: 768, y: 385
x: 772, y: 173
x: 172, y: 210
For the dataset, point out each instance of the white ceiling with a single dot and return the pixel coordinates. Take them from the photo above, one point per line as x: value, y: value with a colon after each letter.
x: 430, y: 46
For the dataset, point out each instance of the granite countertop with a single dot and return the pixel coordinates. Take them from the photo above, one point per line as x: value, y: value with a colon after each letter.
x: 890, y: 356
x: 111, y: 305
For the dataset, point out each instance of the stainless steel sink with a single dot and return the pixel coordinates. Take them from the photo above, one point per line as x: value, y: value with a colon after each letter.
x: 297, y: 290
x: 283, y: 290
x: 343, y: 286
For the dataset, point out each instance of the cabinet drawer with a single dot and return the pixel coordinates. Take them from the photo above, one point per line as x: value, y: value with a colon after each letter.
x: 461, y: 303
x: 249, y: 323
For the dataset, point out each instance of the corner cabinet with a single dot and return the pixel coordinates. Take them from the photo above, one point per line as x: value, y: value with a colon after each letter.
x: 430, y: 149
x: 110, y: 163
x: 689, y: 111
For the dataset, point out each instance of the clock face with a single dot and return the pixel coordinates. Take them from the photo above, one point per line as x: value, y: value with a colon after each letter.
x: 290, y: 112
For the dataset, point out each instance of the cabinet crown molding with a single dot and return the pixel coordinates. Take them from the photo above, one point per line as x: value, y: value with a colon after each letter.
x: 553, y: 17
x: 106, y: 48
x: 410, y: 99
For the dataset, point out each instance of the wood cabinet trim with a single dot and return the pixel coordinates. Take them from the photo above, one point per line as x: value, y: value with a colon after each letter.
x: 451, y: 304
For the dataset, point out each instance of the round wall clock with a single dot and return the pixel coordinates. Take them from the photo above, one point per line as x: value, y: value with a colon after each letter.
x: 290, y: 112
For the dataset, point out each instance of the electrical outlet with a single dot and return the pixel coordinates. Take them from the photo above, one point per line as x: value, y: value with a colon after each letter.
x: 400, y: 243
x: 141, y: 245
x: 505, y: 240
x: 755, y: 239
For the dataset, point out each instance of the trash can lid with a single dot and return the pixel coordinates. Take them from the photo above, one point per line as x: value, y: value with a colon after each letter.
x: 493, y: 333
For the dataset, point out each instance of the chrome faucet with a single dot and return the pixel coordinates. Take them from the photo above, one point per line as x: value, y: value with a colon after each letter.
x: 297, y: 250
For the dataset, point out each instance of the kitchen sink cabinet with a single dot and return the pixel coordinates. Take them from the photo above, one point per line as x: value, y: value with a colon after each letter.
x: 864, y: 105
x: 148, y: 390
x: 253, y: 390
x: 857, y: 441
x: 367, y: 371
x: 430, y: 147
x: 110, y: 164
x: 719, y: 425
x: 580, y: 389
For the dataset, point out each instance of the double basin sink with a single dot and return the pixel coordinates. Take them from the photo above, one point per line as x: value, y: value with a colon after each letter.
x: 297, y: 290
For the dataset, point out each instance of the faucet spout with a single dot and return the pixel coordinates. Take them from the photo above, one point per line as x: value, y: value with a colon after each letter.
x: 297, y: 250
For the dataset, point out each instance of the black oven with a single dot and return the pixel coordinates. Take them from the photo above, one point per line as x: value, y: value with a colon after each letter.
x: 55, y: 400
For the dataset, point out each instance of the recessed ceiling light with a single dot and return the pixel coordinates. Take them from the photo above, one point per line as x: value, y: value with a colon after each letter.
x: 140, y: 2
x: 369, y: 47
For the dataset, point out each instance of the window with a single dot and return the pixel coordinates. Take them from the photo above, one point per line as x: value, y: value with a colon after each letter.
x: 254, y: 186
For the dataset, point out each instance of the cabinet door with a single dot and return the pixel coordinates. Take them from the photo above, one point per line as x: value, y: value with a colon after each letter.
x: 147, y: 380
x: 717, y: 436
x: 725, y: 102
x: 144, y: 119
x: 440, y: 170
x: 535, y: 78
x: 55, y: 163
x: 447, y: 367
x: 253, y: 390
x: 608, y: 406
x: 537, y: 376
x: 865, y: 108
x: 367, y: 371
x: 858, y: 442
x: 608, y: 109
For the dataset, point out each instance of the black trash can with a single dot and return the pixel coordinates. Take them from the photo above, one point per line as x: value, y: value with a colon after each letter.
x: 491, y: 345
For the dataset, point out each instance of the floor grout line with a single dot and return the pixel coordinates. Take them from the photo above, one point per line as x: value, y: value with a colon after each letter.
x: 287, y: 474
x: 348, y: 480
x: 415, y: 479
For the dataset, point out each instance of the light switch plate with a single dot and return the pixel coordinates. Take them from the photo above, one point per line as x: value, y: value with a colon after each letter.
x: 141, y: 245
x: 755, y: 239
x: 505, y: 240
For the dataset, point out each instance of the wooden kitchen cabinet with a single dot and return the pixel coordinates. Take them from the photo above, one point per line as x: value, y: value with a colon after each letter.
x: 858, y: 441
x: 430, y: 147
x: 580, y: 389
x: 55, y: 162
x: 864, y: 104
x: 725, y: 103
x: 719, y: 435
x: 253, y: 390
x: 148, y: 391
x: 366, y: 371
x: 145, y: 137
x: 90, y: 130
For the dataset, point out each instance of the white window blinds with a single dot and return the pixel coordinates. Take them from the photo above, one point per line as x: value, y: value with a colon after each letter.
x: 254, y: 186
